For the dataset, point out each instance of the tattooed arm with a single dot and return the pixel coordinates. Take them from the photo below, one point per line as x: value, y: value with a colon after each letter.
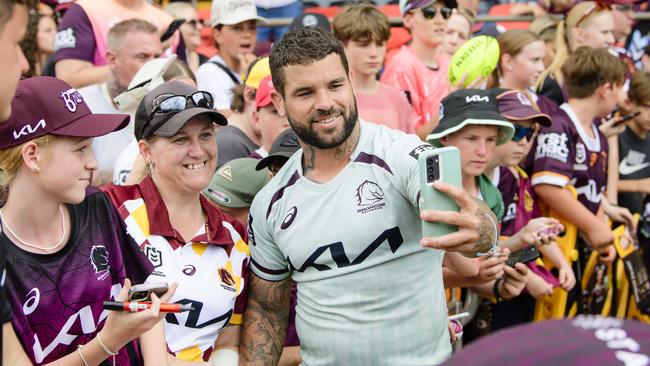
x: 477, y: 224
x: 265, y: 321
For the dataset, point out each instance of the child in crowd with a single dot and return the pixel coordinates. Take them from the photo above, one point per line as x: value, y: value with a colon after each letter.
x: 242, y: 136
x: 234, y: 25
x: 266, y: 118
x: 364, y: 31
x: 521, y: 209
x: 67, y: 248
x: 459, y: 29
x: 572, y: 151
x: 420, y: 68
x: 634, y: 147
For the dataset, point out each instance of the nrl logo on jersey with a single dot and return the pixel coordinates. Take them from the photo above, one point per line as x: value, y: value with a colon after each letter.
x: 370, y: 197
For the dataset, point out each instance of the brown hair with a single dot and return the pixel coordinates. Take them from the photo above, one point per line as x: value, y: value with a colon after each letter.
x: 588, y: 68
x: 178, y: 69
x: 512, y: 42
x: 116, y: 35
x: 302, y: 46
x: 7, y: 9
x: 580, y: 14
x: 361, y: 22
x: 639, y: 93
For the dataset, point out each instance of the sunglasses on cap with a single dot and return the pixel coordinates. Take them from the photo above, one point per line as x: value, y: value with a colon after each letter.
x: 598, y: 5
x: 430, y: 12
x: 521, y: 132
x: 172, y: 104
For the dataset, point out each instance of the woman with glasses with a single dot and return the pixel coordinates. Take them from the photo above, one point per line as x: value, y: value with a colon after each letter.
x: 588, y: 24
x: 420, y: 68
x: 191, y: 32
x: 67, y: 249
x: 187, y: 239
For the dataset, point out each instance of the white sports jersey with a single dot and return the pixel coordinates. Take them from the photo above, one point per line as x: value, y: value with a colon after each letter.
x: 368, y: 293
x: 211, y: 268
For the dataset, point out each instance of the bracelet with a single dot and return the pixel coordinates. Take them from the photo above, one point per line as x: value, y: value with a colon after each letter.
x: 494, y: 247
x: 495, y: 290
x: 104, y: 348
x: 81, y: 355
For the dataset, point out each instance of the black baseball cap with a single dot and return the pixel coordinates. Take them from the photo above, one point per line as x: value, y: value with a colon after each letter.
x: 284, y: 146
x: 170, y: 126
x: 470, y: 107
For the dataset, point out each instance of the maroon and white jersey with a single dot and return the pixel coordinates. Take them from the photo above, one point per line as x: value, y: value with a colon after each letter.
x: 56, y: 299
x: 566, y: 155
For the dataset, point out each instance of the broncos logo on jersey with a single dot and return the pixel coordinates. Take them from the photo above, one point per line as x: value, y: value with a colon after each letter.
x: 369, y: 193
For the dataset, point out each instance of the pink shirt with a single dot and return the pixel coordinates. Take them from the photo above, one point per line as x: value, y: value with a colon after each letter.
x: 387, y: 106
x: 425, y: 86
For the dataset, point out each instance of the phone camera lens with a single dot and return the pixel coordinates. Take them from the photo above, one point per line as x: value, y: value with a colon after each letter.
x: 430, y: 176
x: 430, y: 169
x: 429, y: 161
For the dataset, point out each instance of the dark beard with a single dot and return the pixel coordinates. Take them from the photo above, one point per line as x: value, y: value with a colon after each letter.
x: 308, y: 136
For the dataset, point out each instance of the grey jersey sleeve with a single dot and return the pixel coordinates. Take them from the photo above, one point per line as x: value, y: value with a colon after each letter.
x: 267, y: 260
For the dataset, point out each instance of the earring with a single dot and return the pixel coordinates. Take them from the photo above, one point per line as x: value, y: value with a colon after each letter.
x: 36, y: 169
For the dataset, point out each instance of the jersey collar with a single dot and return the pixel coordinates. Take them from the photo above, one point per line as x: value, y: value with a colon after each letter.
x: 159, y: 223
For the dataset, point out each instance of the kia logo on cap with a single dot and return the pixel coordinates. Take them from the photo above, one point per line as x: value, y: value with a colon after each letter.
x: 28, y: 129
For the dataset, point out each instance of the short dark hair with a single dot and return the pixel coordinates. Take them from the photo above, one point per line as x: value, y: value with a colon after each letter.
x: 302, y: 46
x: 588, y: 68
x: 7, y: 9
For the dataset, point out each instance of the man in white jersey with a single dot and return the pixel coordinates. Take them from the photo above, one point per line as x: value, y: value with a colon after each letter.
x: 341, y: 218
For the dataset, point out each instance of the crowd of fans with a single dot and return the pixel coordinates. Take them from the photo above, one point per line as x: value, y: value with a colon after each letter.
x: 273, y: 187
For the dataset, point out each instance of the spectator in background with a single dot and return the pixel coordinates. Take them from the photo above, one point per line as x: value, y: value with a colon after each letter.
x: 235, y: 31
x: 130, y: 45
x: 242, y: 137
x: 459, y: 29
x: 623, y: 15
x: 634, y: 146
x: 190, y: 31
x: 234, y: 185
x: 38, y: 44
x: 276, y: 9
x: 586, y: 24
x: 419, y: 68
x: 81, y: 43
x: 266, y: 118
x: 545, y: 27
x: 364, y: 31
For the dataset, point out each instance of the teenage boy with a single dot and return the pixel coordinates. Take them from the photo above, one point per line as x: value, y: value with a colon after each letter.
x: 572, y: 151
x: 234, y: 25
x: 470, y: 120
x: 420, y: 68
x: 364, y: 31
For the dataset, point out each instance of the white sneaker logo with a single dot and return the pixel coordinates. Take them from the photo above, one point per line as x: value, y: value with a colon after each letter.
x: 632, y: 164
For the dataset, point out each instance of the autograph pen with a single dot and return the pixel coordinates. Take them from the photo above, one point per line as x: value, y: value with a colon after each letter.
x: 133, y: 307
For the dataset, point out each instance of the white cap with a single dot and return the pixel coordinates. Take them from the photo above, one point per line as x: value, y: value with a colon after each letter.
x: 148, y: 77
x: 230, y: 12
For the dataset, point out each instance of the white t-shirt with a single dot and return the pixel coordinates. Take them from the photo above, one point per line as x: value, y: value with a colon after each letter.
x: 212, y: 78
x: 107, y: 148
x: 368, y: 292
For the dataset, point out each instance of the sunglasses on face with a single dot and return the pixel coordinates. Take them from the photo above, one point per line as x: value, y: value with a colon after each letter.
x: 172, y: 104
x: 521, y: 132
x: 430, y: 12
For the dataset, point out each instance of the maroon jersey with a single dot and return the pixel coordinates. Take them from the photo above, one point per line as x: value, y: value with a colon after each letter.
x: 56, y: 299
x: 519, y: 199
x: 566, y: 155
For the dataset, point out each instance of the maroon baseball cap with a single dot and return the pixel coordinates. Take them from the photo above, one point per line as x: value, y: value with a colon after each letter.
x: 45, y: 105
x: 517, y: 106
